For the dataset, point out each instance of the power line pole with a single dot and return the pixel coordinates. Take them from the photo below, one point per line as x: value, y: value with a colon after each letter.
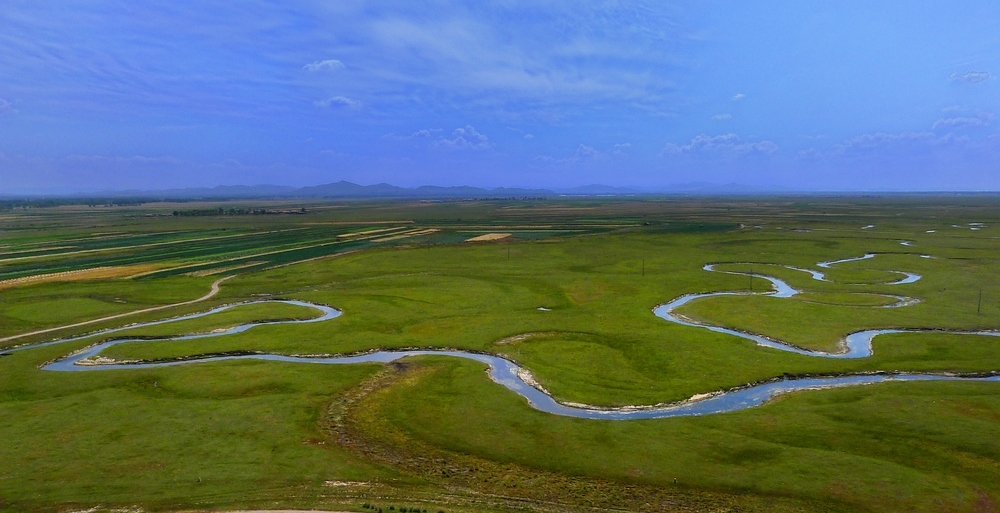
x: 643, y: 266
x: 979, y: 305
x: 751, y: 279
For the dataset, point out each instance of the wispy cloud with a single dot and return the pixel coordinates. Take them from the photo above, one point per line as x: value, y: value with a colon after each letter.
x: 189, y: 59
x: 908, y: 145
x: 603, y: 52
x: 120, y: 160
x: 738, y: 96
x: 721, y: 144
x: 882, y: 140
x: 339, y: 101
x: 419, y: 134
x: 585, y: 153
x: 970, y: 77
x: 981, y: 120
x: 810, y: 154
x: 910, y: 160
x: 588, y: 152
x: 903, y: 146
x: 722, y: 117
x: 467, y: 138
x: 6, y: 107
x: 329, y: 64
x: 332, y: 154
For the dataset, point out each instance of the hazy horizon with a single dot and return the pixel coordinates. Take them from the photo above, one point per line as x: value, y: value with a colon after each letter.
x: 829, y: 96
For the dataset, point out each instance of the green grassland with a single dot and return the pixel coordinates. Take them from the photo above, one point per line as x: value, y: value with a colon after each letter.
x: 45, y: 305
x: 250, y: 313
x: 264, y: 434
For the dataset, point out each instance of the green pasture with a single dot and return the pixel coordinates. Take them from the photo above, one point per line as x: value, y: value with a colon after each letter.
x: 46, y: 305
x: 169, y: 439
x: 235, y: 316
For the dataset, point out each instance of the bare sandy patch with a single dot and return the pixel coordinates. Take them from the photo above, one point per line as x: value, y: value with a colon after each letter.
x: 217, y: 270
x: 347, y: 483
x: 367, y: 232
x: 486, y: 237
x: 513, y: 339
x: 528, y: 378
x: 6, y: 253
x: 94, y: 273
x: 406, y: 234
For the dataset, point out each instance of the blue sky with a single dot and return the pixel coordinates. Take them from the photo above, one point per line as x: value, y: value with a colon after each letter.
x: 821, y: 95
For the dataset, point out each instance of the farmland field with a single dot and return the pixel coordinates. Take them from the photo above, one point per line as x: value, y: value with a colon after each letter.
x: 569, y: 297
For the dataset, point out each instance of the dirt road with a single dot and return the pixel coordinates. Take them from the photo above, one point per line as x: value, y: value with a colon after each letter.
x: 211, y: 293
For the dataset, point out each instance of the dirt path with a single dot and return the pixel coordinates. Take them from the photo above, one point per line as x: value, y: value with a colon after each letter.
x: 211, y: 293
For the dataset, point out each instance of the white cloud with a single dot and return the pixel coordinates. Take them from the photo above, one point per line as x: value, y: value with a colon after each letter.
x: 133, y: 160
x: 727, y: 143
x: 585, y: 153
x: 467, y: 138
x: 722, y: 117
x: 489, y: 56
x: 970, y: 77
x: 810, y: 154
x: 329, y: 64
x: 602, y: 52
x: 904, y: 145
x: 983, y: 119
x: 6, y: 107
x: 738, y: 96
x: 588, y: 152
x: 529, y: 136
x: 881, y: 140
x: 427, y: 132
x: 338, y: 101
x: 419, y: 134
x: 948, y: 152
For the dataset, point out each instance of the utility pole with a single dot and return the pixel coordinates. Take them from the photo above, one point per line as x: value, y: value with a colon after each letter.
x: 979, y: 305
x: 643, y: 266
x: 508, y: 253
x: 751, y: 279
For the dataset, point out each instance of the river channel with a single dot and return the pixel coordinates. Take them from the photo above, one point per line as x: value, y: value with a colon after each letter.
x: 508, y: 374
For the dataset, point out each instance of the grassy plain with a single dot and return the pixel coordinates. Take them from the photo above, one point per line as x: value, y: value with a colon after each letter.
x: 233, y: 434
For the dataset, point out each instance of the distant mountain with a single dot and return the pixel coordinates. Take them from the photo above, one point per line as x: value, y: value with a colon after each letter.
x: 341, y: 189
x: 218, y: 192
x: 707, y: 188
x: 596, y: 189
x: 346, y: 190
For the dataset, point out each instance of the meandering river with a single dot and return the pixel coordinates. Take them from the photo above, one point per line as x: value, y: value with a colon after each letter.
x: 511, y: 376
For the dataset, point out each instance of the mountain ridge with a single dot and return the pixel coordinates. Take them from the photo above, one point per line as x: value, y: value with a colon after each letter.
x: 347, y: 190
